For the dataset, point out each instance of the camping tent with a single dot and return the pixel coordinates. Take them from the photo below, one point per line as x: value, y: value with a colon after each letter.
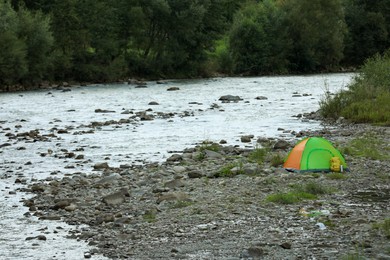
x: 314, y: 154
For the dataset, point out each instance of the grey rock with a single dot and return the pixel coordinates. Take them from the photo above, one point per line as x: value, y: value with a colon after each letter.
x: 282, y: 145
x: 212, y: 155
x: 100, y: 166
x: 116, y: 198
x: 230, y: 98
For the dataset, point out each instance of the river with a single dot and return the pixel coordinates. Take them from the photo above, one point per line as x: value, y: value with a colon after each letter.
x: 63, y: 119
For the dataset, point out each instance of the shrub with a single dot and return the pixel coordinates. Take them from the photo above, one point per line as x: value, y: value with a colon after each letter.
x: 367, y: 99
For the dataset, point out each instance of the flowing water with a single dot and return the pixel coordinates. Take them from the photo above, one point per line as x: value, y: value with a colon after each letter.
x: 196, y: 114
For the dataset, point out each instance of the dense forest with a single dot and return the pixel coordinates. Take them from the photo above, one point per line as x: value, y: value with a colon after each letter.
x: 102, y: 40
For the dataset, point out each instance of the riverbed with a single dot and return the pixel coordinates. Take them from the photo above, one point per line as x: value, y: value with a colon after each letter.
x: 64, y: 131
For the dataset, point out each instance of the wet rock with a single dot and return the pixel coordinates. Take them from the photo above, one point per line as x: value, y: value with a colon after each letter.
x: 37, y: 188
x: 261, y: 98
x: 282, y: 145
x: 116, y: 198
x: 175, y: 158
x: 101, y: 166
x: 212, y: 155
x: 98, y: 110
x: 5, y: 145
x: 61, y: 204
x: 230, y: 98
x: 173, y: 89
x: 153, y: 103
x: 246, y: 138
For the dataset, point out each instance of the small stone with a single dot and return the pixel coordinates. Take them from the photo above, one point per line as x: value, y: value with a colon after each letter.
x: 87, y: 255
x: 100, y: 166
x: 41, y: 237
x: 286, y: 245
x: 255, y: 252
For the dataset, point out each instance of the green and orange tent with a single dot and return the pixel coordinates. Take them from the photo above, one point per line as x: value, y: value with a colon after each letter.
x: 314, y: 154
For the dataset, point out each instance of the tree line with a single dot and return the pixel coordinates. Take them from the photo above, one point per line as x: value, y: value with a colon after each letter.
x: 102, y: 40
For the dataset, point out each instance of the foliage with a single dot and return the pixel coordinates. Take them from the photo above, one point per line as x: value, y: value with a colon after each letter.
x: 368, y: 29
x: 317, y: 29
x: 12, y: 49
x: 25, y: 44
x: 34, y: 29
x: 367, y: 99
x: 101, y: 40
x: 258, y: 41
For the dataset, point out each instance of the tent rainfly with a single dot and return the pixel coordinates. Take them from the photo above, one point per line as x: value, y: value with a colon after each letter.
x: 315, y: 154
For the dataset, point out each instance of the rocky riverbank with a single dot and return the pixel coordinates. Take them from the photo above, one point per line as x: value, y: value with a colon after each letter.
x: 212, y: 202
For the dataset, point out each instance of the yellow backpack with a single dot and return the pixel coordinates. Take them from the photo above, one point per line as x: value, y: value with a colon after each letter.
x: 335, y: 164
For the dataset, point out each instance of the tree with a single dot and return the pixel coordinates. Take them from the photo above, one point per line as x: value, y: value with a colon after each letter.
x: 13, y: 65
x: 34, y: 30
x: 317, y: 29
x: 368, y: 29
x: 258, y: 40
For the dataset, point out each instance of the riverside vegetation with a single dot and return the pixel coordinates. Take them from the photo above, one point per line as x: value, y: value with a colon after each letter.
x: 103, y: 41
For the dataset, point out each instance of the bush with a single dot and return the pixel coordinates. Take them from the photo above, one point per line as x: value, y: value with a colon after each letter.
x: 367, y: 99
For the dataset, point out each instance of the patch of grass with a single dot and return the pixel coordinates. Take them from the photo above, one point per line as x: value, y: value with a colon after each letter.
x: 226, y: 171
x: 258, y: 155
x: 299, y: 192
x: 277, y: 160
x: 366, y: 146
x: 336, y: 176
x: 181, y: 204
x: 149, y: 216
x: 383, y: 227
x: 290, y: 197
x: 208, y: 145
x: 314, y: 188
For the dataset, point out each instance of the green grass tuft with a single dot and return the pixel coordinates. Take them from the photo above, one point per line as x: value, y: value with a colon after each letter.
x: 290, y: 197
x: 258, y: 155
